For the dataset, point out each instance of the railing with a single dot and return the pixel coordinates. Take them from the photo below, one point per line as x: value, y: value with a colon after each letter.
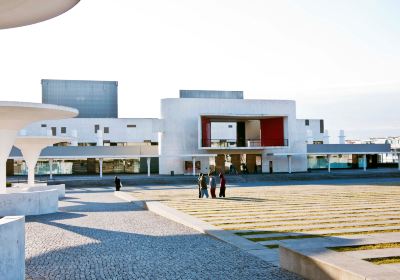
x: 243, y: 143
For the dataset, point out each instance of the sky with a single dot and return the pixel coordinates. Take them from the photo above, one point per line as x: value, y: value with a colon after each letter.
x: 340, y: 60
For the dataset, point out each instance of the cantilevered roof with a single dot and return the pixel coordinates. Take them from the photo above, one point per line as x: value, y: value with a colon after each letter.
x: 327, y: 149
x: 83, y: 152
x: 15, y: 13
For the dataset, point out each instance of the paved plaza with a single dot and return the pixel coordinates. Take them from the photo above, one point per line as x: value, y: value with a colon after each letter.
x: 279, y: 215
x: 97, y: 236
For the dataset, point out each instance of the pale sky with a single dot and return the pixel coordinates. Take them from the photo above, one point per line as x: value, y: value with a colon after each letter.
x: 340, y: 60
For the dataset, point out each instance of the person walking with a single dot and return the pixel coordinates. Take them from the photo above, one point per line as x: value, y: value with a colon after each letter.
x: 203, y: 184
x: 117, y: 182
x: 222, y: 186
x: 198, y: 184
x: 213, y: 184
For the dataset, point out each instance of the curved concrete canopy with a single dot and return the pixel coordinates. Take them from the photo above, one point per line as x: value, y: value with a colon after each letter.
x: 31, y: 146
x: 16, y: 115
x: 15, y: 13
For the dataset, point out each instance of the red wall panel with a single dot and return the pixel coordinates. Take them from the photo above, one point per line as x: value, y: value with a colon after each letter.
x: 272, y: 133
x: 205, y: 132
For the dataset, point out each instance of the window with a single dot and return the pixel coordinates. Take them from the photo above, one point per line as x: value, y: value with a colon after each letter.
x: 230, y: 126
x: 43, y: 125
x: 63, y: 130
x: 131, y: 125
x: 96, y: 128
x: 54, y: 131
x: 321, y: 126
x: 106, y: 129
x: 307, y: 122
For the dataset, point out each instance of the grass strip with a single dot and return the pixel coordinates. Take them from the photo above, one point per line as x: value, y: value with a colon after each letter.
x: 386, y: 260
x: 365, y: 247
x: 272, y: 246
x: 287, y: 237
x: 244, y: 234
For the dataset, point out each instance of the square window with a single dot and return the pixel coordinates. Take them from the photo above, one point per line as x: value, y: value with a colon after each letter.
x: 106, y: 129
x: 63, y: 130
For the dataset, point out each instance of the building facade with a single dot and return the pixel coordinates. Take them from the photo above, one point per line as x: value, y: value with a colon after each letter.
x: 201, y: 131
x: 93, y: 99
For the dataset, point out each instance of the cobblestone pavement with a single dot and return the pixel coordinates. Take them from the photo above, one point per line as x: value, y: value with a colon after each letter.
x: 97, y: 236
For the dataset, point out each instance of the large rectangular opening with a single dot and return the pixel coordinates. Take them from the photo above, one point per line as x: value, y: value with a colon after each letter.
x: 224, y: 132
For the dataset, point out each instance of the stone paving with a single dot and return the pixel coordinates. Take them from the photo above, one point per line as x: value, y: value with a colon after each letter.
x: 273, y: 216
x: 97, y: 236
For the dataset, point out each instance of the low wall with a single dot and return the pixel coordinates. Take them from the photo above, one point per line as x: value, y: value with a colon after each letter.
x: 12, y: 244
x: 29, y: 203
x: 38, y: 187
x: 324, y: 264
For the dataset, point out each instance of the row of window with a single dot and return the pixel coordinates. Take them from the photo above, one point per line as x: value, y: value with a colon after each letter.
x: 63, y: 129
x: 96, y: 128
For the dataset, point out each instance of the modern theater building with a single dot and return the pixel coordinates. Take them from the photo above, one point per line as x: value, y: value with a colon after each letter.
x: 197, y: 132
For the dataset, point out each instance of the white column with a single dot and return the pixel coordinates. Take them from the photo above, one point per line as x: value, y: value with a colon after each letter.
x: 51, y: 168
x: 148, y: 166
x: 31, y: 155
x: 289, y: 164
x: 329, y: 163
x: 7, y: 139
x: 101, y: 167
x: 194, y: 166
x: 365, y: 162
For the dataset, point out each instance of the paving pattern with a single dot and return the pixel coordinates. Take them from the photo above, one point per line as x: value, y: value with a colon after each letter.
x: 97, y: 236
x: 273, y: 215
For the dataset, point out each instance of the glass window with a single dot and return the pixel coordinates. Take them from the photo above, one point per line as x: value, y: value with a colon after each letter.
x: 44, y: 125
x: 54, y: 131
x: 131, y: 125
x: 63, y: 129
x: 96, y: 128
x: 307, y: 122
x: 106, y: 129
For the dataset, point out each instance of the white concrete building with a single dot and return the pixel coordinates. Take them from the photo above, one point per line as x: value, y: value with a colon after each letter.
x: 200, y: 131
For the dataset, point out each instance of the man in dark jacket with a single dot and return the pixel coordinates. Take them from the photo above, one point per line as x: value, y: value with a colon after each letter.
x: 117, y: 182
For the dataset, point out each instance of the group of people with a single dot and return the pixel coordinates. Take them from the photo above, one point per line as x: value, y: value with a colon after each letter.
x: 203, y: 185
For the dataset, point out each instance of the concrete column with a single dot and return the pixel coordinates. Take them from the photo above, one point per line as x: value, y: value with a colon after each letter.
x: 31, y: 172
x: 194, y: 166
x: 7, y: 140
x: 289, y: 164
x: 51, y: 168
x: 365, y: 162
x: 101, y: 167
x: 148, y: 166
x: 329, y: 163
